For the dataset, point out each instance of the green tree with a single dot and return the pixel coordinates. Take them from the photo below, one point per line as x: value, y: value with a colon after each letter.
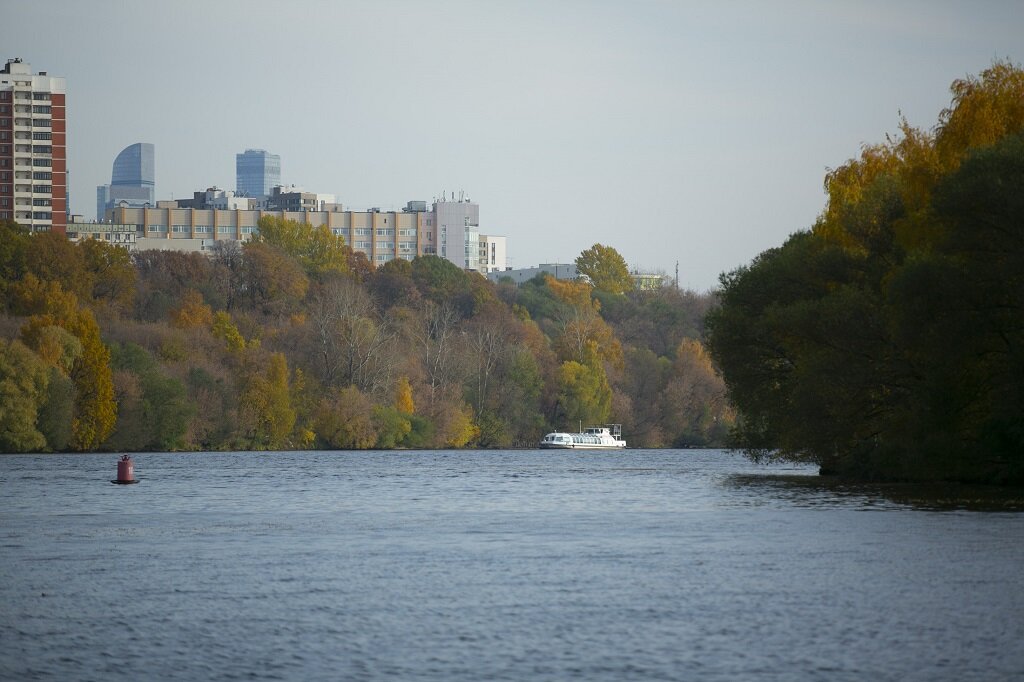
x: 23, y: 382
x: 57, y: 411
x: 606, y: 269
x: 14, y: 242
x: 392, y: 427
x: 154, y: 408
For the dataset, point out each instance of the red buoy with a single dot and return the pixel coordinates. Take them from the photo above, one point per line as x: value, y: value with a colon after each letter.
x: 125, y: 471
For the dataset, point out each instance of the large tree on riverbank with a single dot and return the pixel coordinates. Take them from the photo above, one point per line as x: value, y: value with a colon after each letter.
x: 888, y: 341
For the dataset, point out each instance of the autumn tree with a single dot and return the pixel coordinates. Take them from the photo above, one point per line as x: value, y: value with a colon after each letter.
x: 584, y: 395
x: 317, y: 250
x: 344, y: 421
x: 223, y: 328
x: 581, y: 327
x: 266, y: 416
x: 112, y: 273
x: 881, y: 343
x: 192, y: 312
x: 403, y: 396
x: 353, y: 343
x: 273, y: 282
x: 605, y: 268
x: 693, y: 402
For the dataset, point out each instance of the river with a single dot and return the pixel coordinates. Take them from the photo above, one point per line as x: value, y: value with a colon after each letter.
x: 494, y: 565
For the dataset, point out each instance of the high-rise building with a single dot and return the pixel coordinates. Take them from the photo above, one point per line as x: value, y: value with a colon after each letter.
x: 132, y: 180
x: 33, y: 148
x: 257, y: 172
x: 458, y: 231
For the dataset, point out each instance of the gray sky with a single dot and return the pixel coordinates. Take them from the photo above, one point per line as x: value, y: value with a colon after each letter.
x: 696, y: 132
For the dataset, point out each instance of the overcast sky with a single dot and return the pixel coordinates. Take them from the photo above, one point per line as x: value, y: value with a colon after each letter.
x: 696, y: 132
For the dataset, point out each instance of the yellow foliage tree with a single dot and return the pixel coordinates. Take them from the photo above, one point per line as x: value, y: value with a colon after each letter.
x: 983, y: 110
x: 265, y: 410
x: 403, y: 396
x: 223, y: 328
x: 95, y: 407
x: 461, y: 428
x: 51, y: 306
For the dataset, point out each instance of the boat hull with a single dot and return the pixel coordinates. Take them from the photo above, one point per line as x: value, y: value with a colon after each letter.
x: 573, y: 446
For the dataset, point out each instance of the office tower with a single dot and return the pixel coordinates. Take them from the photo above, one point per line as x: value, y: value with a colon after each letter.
x: 33, y: 148
x: 132, y: 180
x: 257, y: 172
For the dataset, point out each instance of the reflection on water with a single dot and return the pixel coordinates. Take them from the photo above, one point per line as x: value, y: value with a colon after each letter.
x: 827, y: 491
x: 503, y: 565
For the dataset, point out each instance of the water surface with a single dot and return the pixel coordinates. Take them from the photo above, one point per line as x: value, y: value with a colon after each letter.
x: 505, y: 565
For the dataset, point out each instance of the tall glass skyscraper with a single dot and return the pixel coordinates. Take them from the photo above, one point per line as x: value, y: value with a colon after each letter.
x: 132, y: 182
x: 257, y: 172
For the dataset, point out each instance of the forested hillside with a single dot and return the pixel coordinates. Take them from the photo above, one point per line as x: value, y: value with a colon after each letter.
x: 294, y: 341
x: 888, y: 341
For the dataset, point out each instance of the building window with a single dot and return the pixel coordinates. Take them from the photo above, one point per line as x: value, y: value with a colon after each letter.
x: 41, y: 202
x: 225, y: 229
x: 42, y: 149
x: 41, y: 162
x: 42, y: 136
x: 39, y: 175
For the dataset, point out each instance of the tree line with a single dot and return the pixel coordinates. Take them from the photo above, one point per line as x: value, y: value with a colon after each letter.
x: 887, y: 341
x: 292, y: 340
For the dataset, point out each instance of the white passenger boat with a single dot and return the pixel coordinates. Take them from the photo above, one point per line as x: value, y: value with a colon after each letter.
x: 606, y: 437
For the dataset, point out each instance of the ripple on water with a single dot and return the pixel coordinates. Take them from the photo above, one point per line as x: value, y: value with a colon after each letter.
x: 497, y: 565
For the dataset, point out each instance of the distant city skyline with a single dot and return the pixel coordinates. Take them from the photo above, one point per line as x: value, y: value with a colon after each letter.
x: 697, y: 132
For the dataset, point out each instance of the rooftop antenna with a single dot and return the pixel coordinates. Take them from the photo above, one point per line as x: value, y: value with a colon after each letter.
x: 677, y: 275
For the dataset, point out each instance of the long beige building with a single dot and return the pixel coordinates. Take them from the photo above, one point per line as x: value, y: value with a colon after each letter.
x: 381, y: 235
